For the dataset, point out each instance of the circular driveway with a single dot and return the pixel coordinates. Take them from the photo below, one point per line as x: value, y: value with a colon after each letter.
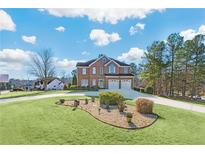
x: 131, y: 94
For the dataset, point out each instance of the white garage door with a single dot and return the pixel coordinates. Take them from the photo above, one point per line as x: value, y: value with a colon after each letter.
x: 126, y: 84
x: 113, y: 84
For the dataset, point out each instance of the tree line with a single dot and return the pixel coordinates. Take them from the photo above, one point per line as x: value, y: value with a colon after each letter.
x: 175, y: 67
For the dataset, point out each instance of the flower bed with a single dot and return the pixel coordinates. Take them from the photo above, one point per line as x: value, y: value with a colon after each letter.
x: 113, y: 116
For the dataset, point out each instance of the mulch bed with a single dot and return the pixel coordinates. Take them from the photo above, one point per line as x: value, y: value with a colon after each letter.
x: 114, y: 117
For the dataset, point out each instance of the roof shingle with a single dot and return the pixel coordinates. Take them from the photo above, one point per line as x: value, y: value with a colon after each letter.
x: 91, y: 61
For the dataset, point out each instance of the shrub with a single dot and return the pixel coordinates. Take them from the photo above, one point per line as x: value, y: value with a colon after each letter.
x: 73, y: 86
x: 69, y: 84
x: 110, y: 98
x: 129, y: 117
x: 65, y: 87
x: 86, y: 101
x: 142, y: 90
x: 62, y: 101
x: 18, y: 89
x: 76, y: 103
x: 121, y: 106
x: 136, y: 89
x: 144, y: 106
x: 93, y: 99
x: 149, y: 90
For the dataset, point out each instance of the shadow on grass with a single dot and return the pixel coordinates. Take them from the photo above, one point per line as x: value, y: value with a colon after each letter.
x: 161, y: 118
x: 132, y: 125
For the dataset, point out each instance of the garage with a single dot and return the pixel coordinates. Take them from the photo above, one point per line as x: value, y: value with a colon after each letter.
x: 113, y: 84
x: 126, y: 84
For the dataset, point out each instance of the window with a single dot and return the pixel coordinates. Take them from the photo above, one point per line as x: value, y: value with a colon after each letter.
x: 84, y: 82
x: 112, y: 69
x: 94, y: 82
x: 104, y: 60
x: 101, y: 70
x: 84, y: 71
x: 94, y: 70
x: 125, y: 70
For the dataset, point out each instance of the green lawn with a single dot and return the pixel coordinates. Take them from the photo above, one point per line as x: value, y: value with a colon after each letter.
x: 33, y: 93
x: 44, y: 122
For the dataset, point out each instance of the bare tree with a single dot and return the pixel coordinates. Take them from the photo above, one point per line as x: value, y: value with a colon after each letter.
x: 42, y: 65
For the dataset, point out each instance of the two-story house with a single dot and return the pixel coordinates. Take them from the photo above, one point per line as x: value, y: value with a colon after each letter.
x: 104, y: 72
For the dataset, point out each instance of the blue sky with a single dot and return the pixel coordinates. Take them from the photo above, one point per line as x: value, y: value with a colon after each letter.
x: 87, y: 33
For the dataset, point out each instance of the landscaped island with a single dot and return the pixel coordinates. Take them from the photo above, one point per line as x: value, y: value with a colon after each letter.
x: 130, y: 119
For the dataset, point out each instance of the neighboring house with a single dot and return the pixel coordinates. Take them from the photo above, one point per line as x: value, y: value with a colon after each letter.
x: 24, y: 84
x: 104, y: 72
x: 53, y: 84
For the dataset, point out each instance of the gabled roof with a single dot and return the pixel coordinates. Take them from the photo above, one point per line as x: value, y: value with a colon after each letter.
x: 119, y: 62
x: 88, y: 63
x: 49, y: 80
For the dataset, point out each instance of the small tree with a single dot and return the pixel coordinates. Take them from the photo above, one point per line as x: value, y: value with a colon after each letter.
x: 74, y: 75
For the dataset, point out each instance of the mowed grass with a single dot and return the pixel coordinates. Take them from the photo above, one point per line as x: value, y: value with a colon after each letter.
x: 44, y: 122
x: 34, y: 93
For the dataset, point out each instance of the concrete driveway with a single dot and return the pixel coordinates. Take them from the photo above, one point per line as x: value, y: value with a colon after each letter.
x: 131, y: 94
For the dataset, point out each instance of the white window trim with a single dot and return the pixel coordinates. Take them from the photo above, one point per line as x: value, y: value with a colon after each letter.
x: 109, y: 69
x: 101, y: 70
x: 94, y: 82
x: 84, y: 71
x: 94, y: 70
x: 127, y: 70
x: 84, y: 82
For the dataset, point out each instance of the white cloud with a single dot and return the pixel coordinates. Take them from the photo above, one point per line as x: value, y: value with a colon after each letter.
x: 112, y: 16
x: 6, y: 22
x: 85, y: 53
x: 14, y: 55
x: 134, y: 29
x: 101, y: 38
x: 65, y: 65
x: 60, y: 29
x: 15, y: 62
x: 29, y: 39
x: 189, y: 34
x: 133, y: 55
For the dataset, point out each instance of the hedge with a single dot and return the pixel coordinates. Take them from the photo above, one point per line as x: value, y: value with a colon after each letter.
x: 110, y: 98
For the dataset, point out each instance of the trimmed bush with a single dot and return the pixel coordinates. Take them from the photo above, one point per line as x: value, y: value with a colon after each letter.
x: 62, y: 101
x: 121, y: 106
x: 144, y: 106
x: 76, y: 103
x: 93, y: 99
x: 129, y: 117
x: 73, y: 86
x: 86, y: 101
x: 110, y: 98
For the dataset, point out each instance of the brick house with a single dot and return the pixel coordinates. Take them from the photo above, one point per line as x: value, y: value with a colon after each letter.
x: 104, y: 72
